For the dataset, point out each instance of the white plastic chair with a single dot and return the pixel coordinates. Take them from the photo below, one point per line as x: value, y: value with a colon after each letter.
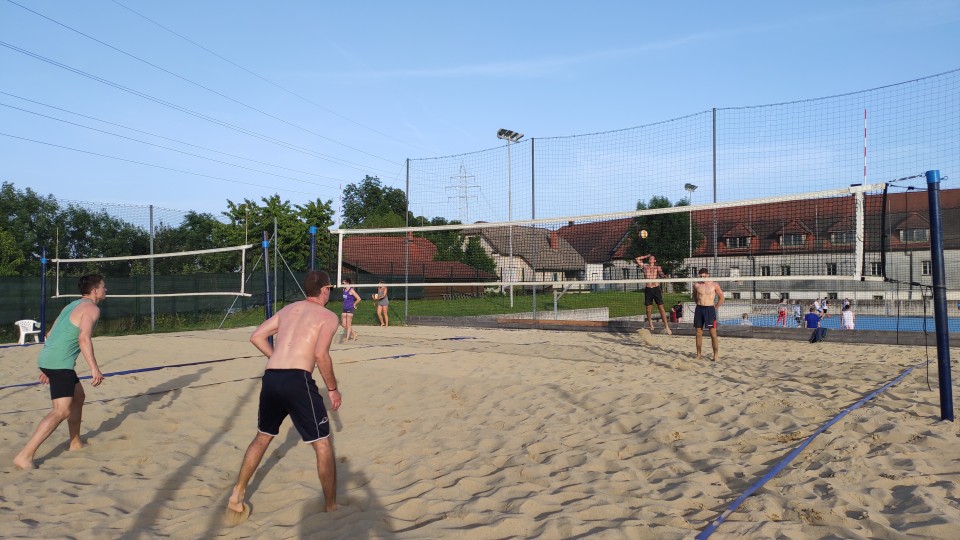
x: 27, y: 328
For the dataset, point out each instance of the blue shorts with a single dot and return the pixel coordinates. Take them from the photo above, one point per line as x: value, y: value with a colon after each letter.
x: 705, y: 317
x: 292, y: 392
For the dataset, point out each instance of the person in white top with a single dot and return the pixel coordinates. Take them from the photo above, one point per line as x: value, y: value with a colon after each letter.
x: 849, y: 319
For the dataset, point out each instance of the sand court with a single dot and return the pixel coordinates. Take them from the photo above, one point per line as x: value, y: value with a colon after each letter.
x: 452, y: 432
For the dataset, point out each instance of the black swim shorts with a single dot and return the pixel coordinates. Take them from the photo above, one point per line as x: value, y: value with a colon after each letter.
x: 63, y: 382
x: 705, y: 317
x: 651, y: 295
x: 292, y: 392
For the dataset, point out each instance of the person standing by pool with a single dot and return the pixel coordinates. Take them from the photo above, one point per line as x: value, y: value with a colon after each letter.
x: 812, y: 319
x: 848, y: 318
x: 350, y: 302
x: 797, y: 314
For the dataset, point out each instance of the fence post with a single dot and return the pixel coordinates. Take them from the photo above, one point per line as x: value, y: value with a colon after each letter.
x: 265, y: 244
x: 941, y: 322
x: 43, y: 295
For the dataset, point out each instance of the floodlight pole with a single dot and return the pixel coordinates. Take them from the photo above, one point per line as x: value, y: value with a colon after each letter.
x: 940, y: 296
x: 510, y: 136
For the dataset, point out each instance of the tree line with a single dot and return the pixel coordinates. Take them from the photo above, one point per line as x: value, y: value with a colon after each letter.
x: 30, y: 221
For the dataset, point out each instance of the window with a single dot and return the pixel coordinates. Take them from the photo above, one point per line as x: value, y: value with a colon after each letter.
x: 765, y: 296
x: 926, y: 268
x: 876, y: 269
x: 734, y: 271
x: 914, y: 235
x: 785, y: 270
x: 736, y: 296
x: 878, y: 297
x: 764, y: 270
x: 626, y: 273
x: 842, y: 237
x: 831, y: 269
x: 833, y: 296
x: 792, y: 239
x: 738, y: 242
x: 784, y: 296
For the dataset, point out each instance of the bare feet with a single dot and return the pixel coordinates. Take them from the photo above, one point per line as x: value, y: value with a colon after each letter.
x: 354, y: 338
x: 23, y: 463
x: 77, y: 444
x: 235, y: 514
x: 669, y: 332
x: 332, y: 507
x: 715, y: 358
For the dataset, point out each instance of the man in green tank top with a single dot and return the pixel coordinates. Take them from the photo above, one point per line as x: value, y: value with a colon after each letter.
x: 69, y: 336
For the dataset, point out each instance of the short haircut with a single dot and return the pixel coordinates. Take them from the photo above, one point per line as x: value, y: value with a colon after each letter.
x: 88, y: 283
x: 812, y: 309
x: 703, y: 271
x: 315, y: 281
x: 347, y: 280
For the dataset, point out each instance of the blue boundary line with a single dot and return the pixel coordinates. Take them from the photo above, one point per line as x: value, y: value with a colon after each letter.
x: 710, y: 529
x: 141, y: 370
x: 19, y: 345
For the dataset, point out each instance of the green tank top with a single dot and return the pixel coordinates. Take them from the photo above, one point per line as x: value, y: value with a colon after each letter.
x: 62, y: 346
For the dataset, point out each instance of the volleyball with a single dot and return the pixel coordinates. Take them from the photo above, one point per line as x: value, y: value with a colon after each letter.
x: 376, y: 296
x: 643, y: 233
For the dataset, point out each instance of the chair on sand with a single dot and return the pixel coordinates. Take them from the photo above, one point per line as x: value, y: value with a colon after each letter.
x: 26, y: 327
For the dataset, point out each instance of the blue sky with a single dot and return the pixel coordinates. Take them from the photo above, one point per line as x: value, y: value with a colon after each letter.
x: 381, y: 82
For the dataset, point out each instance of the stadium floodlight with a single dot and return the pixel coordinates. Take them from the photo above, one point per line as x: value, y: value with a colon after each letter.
x: 510, y: 136
x: 690, y: 189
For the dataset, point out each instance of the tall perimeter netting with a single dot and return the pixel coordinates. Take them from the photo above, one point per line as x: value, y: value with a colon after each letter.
x: 887, y: 135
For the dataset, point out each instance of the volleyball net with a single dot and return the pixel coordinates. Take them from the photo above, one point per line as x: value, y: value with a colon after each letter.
x: 774, y: 243
x: 170, y: 274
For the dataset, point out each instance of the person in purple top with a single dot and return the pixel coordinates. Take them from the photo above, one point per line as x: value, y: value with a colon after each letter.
x: 350, y: 301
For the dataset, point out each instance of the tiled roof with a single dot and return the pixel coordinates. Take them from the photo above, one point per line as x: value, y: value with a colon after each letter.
x: 532, y: 244
x: 385, y: 255
x: 598, y: 241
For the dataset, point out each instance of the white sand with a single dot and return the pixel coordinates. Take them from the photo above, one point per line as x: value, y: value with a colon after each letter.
x: 504, y: 434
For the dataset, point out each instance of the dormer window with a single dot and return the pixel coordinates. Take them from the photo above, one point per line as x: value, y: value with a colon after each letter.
x: 914, y: 235
x: 793, y: 239
x: 738, y: 242
x: 842, y: 238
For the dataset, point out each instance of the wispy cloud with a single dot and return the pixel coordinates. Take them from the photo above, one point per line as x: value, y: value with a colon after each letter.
x: 552, y: 65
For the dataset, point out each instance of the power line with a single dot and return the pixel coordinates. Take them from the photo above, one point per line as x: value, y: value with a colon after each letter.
x: 154, y: 165
x: 207, y: 88
x: 278, y: 142
x: 164, y: 147
x: 178, y: 141
x: 268, y: 81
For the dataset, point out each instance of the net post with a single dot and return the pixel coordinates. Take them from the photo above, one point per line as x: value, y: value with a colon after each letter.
x: 340, y: 257
x: 265, y: 245
x: 43, y: 295
x: 313, y: 247
x: 939, y: 296
x: 858, y: 236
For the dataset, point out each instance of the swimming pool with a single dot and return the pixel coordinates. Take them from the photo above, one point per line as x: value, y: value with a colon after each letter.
x: 863, y: 322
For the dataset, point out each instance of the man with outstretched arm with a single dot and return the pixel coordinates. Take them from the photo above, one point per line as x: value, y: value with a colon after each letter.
x: 70, y: 336
x: 652, y: 293
x: 709, y: 298
x: 304, y: 331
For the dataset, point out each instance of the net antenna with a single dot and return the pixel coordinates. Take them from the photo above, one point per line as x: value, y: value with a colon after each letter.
x: 242, y: 249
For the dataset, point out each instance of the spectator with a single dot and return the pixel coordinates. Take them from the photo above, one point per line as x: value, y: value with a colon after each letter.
x: 812, y: 319
x: 745, y: 321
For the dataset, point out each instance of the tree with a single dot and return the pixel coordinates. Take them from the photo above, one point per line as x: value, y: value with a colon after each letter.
x: 366, y: 203
x: 668, y: 236
x: 11, y: 258
x: 32, y: 221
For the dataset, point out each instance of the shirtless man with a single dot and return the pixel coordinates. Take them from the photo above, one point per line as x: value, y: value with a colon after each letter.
x: 304, y: 331
x: 70, y: 336
x: 652, y: 292
x: 706, y: 294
